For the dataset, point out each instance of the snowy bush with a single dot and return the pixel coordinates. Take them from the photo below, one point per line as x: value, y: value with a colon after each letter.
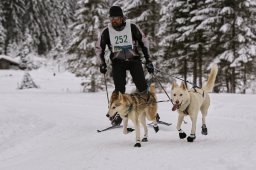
x: 27, y: 82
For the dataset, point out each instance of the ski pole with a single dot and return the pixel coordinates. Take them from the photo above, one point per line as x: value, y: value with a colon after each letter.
x: 106, y: 87
x: 161, y: 86
x: 157, y: 70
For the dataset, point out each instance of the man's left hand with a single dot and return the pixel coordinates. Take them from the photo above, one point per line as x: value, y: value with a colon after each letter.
x: 150, y: 67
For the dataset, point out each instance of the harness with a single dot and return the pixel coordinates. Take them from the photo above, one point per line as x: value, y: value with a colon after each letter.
x: 147, y: 101
x: 195, y: 91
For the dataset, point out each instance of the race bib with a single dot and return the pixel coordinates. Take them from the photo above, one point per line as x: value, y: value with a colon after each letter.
x: 121, y: 40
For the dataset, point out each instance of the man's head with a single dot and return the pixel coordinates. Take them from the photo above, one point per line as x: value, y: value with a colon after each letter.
x: 116, y: 16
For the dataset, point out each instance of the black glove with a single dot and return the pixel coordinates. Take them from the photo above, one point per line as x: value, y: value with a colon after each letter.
x: 150, y: 66
x: 103, y: 68
x: 117, y: 120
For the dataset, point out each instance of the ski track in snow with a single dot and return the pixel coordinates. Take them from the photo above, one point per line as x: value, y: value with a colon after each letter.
x: 55, y: 128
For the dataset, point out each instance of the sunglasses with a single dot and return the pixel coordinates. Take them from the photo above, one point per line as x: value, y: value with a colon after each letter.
x: 114, y: 18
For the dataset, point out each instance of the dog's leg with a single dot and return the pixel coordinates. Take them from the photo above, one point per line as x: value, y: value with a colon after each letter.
x: 137, y: 131
x: 204, y: 128
x: 143, y: 122
x: 182, y: 134
x: 125, y: 123
x: 204, y: 108
x: 156, y: 128
x: 192, y: 135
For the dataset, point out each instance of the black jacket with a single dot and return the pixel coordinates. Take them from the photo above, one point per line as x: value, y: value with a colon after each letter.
x: 139, y: 39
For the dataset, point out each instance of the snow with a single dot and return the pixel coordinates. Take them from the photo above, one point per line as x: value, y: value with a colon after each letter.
x: 54, y: 128
x: 9, y: 59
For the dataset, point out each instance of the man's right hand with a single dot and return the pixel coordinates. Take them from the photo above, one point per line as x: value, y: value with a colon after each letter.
x: 103, y: 68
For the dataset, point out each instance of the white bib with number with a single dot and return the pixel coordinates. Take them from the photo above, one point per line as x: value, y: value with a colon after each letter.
x: 121, y: 40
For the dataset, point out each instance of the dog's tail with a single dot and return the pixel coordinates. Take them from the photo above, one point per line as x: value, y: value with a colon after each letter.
x: 211, y: 78
x: 152, y: 108
x: 152, y: 88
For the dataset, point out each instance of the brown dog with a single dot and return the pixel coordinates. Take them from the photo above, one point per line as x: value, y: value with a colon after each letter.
x: 136, y: 108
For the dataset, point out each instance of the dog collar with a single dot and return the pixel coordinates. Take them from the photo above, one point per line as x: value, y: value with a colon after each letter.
x: 185, y: 111
x: 128, y: 110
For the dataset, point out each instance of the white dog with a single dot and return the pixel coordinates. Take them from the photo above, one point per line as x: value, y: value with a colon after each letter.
x: 189, y: 102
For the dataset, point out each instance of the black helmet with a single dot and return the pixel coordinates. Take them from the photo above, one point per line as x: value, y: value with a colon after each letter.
x: 115, y: 11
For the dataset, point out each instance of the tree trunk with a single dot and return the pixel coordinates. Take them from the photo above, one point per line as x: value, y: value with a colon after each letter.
x: 227, y: 77
x: 195, y: 71
x: 244, y: 79
x: 185, y: 71
x: 233, y: 80
x: 200, y: 70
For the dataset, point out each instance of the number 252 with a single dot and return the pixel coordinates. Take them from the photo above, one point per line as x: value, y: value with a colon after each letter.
x: 121, y: 39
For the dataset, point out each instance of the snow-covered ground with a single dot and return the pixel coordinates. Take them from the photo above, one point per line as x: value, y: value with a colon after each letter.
x: 54, y: 128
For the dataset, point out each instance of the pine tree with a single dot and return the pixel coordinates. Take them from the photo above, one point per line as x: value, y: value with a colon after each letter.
x: 86, y: 28
x: 48, y: 20
x: 2, y: 30
x: 27, y: 82
x: 236, y: 41
x: 145, y: 13
x: 13, y: 11
x: 175, y: 35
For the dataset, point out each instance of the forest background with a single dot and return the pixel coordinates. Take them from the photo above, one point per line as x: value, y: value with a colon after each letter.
x: 186, y: 37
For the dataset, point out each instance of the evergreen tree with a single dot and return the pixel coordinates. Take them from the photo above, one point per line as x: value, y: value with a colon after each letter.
x: 13, y: 11
x: 2, y: 30
x: 86, y: 28
x: 236, y: 41
x: 27, y: 82
x: 175, y: 35
x: 46, y: 21
x: 145, y: 13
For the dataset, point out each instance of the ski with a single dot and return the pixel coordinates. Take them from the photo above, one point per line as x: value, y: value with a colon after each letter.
x: 111, y: 127
x: 161, y: 122
x: 164, y: 123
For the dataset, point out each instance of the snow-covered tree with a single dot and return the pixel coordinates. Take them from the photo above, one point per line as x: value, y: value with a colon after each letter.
x: 13, y: 11
x: 236, y: 41
x: 27, y: 82
x: 174, y: 35
x: 88, y: 23
x: 145, y: 13
x: 46, y: 21
x: 2, y: 30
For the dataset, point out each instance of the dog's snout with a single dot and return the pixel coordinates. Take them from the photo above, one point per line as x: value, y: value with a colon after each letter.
x: 177, y: 102
x: 107, y: 115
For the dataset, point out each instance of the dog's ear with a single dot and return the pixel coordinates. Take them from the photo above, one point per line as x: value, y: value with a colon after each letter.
x: 174, y: 85
x: 120, y: 96
x: 183, y: 85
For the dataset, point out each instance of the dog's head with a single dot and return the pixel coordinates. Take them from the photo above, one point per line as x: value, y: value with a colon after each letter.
x: 117, y: 105
x: 179, y: 95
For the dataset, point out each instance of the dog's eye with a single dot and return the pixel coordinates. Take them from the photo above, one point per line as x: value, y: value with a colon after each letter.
x: 113, y: 107
x: 180, y: 94
x: 174, y: 95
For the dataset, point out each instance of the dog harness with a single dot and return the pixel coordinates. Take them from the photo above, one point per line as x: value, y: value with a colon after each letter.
x: 195, y: 91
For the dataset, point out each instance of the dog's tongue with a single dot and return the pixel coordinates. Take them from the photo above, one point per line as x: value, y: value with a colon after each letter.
x: 174, y: 107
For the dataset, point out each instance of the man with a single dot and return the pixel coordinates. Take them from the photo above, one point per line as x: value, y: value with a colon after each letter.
x: 122, y: 38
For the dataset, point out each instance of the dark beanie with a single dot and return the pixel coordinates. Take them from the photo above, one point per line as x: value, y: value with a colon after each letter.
x: 115, y: 11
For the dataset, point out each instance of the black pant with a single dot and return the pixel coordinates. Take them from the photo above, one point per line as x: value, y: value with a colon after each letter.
x: 136, y: 70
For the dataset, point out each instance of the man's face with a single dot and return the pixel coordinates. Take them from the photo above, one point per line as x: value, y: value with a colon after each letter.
x: 116, y: 21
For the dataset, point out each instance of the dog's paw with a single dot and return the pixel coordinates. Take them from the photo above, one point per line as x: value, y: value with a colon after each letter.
x: 204, y: 130
x: 144, y: 139
x: 191, y: 138
x: 156, y: 128
x: 130, y: 130
x: 182, y: 135
x: 137, y: 145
